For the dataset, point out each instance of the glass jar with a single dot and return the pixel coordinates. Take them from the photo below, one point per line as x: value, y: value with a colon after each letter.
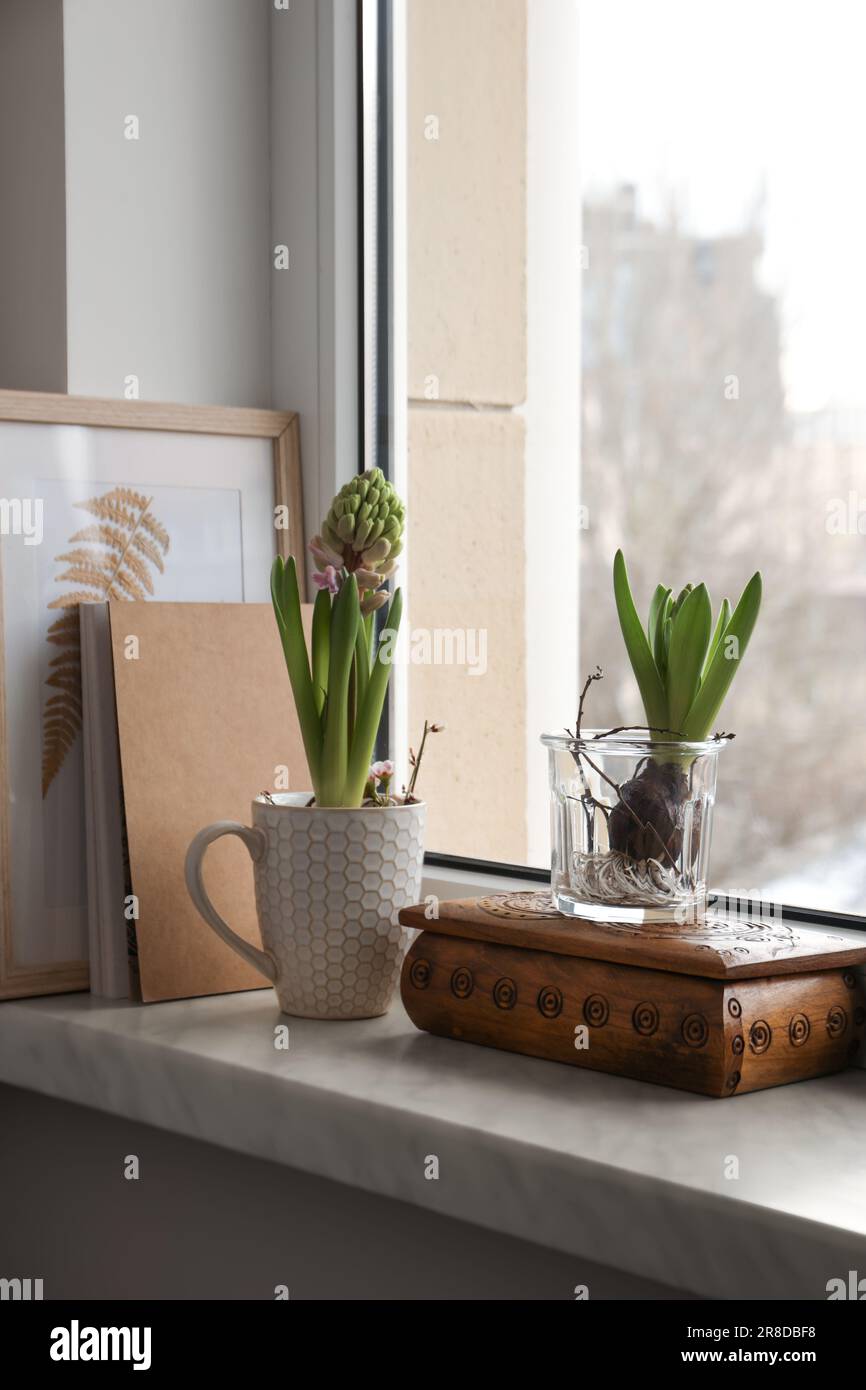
x: 631, y: 824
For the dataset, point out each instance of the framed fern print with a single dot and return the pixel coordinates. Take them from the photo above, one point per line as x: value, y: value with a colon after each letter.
x: 106, y: 500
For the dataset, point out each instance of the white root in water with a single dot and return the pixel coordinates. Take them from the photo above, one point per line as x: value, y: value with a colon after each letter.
x: 616, y: 878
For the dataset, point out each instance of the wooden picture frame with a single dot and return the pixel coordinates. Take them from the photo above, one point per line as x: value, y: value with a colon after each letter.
x: 19, y: 979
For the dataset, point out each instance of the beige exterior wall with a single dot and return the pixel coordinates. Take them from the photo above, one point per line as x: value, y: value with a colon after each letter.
x: 466, y: 102
x: 465, y: 471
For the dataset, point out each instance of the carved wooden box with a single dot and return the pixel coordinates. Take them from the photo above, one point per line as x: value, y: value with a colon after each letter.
x: 721, y: 1006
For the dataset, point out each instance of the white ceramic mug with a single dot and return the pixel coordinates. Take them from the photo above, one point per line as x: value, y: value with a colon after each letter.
x: 329, y: 885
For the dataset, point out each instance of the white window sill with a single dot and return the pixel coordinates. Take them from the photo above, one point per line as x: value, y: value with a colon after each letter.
x: 573, y: 1160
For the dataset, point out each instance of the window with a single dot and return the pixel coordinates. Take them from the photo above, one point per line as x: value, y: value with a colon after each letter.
x: 635, y: 305
x: 724, y: 401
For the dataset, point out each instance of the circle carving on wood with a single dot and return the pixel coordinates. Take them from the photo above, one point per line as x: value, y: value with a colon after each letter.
x: 837, y: 1021
x: 462, y: 983
x: 645, y: 1019
x: 760, y: 1036
x: 420, y: 973
x: 695, y: 1030
x: 596, y: 1010
x: 505, y: 993
x: 549, y: 1002
x: 799, y: 1030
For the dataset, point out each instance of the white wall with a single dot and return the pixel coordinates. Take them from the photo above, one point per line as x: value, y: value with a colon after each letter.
x: 32, y: 223
x: 168, y: 236
x: 160, y: 251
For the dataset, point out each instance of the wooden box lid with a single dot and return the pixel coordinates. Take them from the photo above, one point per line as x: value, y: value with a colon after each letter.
x: 716, y: 946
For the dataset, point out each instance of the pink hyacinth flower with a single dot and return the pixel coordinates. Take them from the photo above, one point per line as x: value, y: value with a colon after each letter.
x: 327, y: 578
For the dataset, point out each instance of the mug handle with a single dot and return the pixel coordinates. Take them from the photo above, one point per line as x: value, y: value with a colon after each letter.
x: 255, y: 841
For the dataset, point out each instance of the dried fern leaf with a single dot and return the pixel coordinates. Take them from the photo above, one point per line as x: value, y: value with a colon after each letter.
x: 139, y: 569
x: 117, y: 496
x: 72, y: 672
x: 73, y: 599
x: 147, y: 547
x: 64, y: 723
x: 131, y: 498
x: 159, y: 533
x: 107, y: 559
x: 72, y: 669
x: 106, y: 509
x: 87, y: 574
x: 62, y: 732
x: 101, y: 533
x: 61, y: 680
x: 63, y: 715
x: 121, y: 579
x: 65, y: 631
x: 70, y: 709
x: 53, y: 758
x: 55, y: 750
x: 67, y: 622
x: 65, y: 728
x: 61, y: 702
x: 60, y: 729
x: 89, y: 555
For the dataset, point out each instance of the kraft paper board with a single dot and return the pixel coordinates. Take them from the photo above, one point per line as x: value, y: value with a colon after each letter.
x: 205, y: 717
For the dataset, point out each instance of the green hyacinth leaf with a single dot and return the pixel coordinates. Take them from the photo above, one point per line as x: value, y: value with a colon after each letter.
x: 362, y: 664
x: 657, y: 612
x: 287, y: 609
x: 370, y: 708
x: 321, y: 643
x: 662, y: 636
x: 690, y: 637
x: 641, y: 658
x: 729, y: 652
x: 723, y: 620
x: 345, y: 617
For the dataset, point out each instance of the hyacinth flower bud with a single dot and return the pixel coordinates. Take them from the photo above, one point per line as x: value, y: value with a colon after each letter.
x: 365, y: 512
x: 373, y: 601
x: 324, y: 555
x: 369, y: 579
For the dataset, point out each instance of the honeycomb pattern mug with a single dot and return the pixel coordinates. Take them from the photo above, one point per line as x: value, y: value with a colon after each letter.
x: 329, y: 883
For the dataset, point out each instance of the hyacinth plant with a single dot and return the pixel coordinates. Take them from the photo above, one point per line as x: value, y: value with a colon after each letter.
x: 340, y: 688
x: 684, y: 664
